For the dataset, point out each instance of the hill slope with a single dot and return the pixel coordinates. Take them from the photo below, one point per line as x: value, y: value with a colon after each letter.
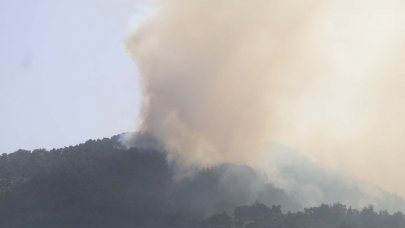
x: 101, y: 183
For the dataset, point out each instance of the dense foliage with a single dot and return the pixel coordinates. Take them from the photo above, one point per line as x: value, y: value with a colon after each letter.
x: 324, y: 216
x: 102, y: 184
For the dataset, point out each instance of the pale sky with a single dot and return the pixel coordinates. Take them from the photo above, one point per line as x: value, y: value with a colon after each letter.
x: 65, y: 74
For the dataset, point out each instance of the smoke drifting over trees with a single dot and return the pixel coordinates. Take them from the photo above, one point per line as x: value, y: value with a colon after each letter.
x: 256, y: 113
x: 101, y: 183
x: 222, y: 78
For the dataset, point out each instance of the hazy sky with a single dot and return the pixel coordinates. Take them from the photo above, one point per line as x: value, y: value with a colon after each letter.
x: 65, y: 74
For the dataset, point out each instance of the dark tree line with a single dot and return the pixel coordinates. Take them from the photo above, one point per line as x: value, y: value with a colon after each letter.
x: 325, y: 216
x: 101, y: 183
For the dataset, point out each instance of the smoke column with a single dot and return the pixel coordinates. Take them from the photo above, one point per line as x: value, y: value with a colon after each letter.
x: 220, y: 78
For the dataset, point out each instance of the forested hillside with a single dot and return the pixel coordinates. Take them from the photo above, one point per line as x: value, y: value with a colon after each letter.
x: 101, y: 183
x: 324, y: 216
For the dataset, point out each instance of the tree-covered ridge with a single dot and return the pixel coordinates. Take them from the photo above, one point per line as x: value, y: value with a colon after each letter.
x: 95, y: 184
x: 324, y: 216
x: 101, y: 183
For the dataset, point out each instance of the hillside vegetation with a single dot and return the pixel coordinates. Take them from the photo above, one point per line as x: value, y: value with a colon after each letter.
x: 101, y: 183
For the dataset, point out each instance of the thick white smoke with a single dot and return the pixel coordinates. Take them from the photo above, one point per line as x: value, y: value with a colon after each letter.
x: 220, y: 78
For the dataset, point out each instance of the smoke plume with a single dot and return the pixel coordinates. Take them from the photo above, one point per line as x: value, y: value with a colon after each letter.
x: 221, y: 78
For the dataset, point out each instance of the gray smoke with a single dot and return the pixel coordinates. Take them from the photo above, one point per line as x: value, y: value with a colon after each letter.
x: 222, y: 78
